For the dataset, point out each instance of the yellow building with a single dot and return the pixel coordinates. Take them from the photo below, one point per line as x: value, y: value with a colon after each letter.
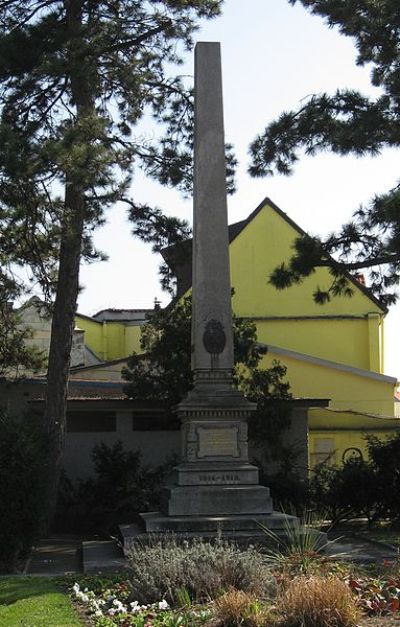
x: 331, y: 351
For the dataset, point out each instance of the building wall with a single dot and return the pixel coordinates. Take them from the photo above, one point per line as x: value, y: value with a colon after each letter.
x: 336, y: 445
x: 156, y: 447
x: 319, y: 337
x: 348, y: 392
x: 160, y: 445
x: 345, y: 389
x: 34, y: 315
x: 108, y: 339
x: 93, y: 334
x: 345, y: 330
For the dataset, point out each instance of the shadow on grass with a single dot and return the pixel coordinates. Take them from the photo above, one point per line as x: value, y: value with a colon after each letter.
x: 13, y: 589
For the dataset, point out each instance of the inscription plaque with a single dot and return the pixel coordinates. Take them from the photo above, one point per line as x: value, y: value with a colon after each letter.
x: 216, y: 478
x: 218, y: 442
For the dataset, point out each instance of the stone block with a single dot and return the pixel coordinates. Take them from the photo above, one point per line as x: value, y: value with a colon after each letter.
x: 240, y: 528
x: 216, y: 500
x: 216, y: 474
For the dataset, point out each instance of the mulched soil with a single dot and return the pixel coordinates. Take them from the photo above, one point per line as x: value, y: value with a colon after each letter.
x: 390, y: 620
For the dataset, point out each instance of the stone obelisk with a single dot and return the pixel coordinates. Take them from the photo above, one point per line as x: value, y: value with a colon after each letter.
x: 215, y: 485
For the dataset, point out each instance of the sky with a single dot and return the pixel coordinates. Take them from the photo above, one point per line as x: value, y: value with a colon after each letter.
x: 273, y: 56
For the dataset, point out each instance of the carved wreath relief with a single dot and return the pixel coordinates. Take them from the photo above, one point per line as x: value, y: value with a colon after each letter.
x: 214, y: 338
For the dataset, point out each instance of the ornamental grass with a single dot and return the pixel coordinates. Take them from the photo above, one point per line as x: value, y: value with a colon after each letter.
x: 317, y: 602
x: 237, y: 608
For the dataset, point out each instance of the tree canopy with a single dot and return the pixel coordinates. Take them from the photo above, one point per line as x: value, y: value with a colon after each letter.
x: 76, y: 79
x: 346, y: 122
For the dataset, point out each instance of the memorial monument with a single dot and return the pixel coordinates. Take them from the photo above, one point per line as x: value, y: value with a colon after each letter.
x: 215, y: 488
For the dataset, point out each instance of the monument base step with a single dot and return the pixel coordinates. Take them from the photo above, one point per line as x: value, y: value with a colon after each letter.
x: 243, y: 529
x: 223, y: 500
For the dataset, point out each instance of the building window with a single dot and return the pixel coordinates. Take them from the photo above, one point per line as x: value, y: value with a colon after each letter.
x: 324, y: 451
x: 91, y: 421
x: 143, y: 420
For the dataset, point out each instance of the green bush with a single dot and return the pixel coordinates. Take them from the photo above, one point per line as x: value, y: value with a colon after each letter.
x: 384, y: 458
x: 23, y: 451
x: 120, y: 489
x: 162, y: 569
x: 289, y: 492
x: 359, y: 487
x: 343, y: 492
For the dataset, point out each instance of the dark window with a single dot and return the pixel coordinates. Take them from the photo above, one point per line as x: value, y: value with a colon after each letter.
x: 154, y: 421
x: 90, y: 421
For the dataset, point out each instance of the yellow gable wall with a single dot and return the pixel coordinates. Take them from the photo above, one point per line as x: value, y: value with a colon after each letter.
x: 262, y: 245
x: 346, y: 330
x: 93, y: 334
x: 109, y: 340
x: 132, y: 340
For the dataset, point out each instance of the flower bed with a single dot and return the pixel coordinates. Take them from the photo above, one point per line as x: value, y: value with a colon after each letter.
x: 112, y: 606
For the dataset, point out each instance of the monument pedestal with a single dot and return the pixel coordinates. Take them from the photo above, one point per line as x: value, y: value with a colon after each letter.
x: 215, y: 489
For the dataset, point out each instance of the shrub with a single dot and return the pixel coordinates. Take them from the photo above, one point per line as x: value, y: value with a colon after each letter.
x: 121, y: 488
x: 317, y: 602
x: 361, y: 488
x: 23, y: 449
x: 289, y: 491
x: 204, y: 569
x: 385, y: 460
x: 345, y: 491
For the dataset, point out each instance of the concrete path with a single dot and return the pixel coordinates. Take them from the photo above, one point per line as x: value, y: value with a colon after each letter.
x: 356, y: 549
x: 67, y: 555
x: 59, y: 555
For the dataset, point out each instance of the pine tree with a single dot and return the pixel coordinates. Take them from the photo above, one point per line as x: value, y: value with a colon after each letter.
x: 346, y: 123
x: 76, y: 77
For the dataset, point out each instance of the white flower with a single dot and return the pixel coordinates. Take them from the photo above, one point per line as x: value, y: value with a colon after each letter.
x: 98, y: 613
x: 163, y: 605
x: 111, y: 611
x: 135, y: 607
x: 81, y: 596
x: 120, y: 607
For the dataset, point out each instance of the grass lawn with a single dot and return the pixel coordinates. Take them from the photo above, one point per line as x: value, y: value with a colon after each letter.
x: 35, y: 602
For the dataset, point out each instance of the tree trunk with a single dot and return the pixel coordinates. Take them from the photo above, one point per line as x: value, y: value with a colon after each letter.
x: 61, y: 338
x: 64, y: 310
